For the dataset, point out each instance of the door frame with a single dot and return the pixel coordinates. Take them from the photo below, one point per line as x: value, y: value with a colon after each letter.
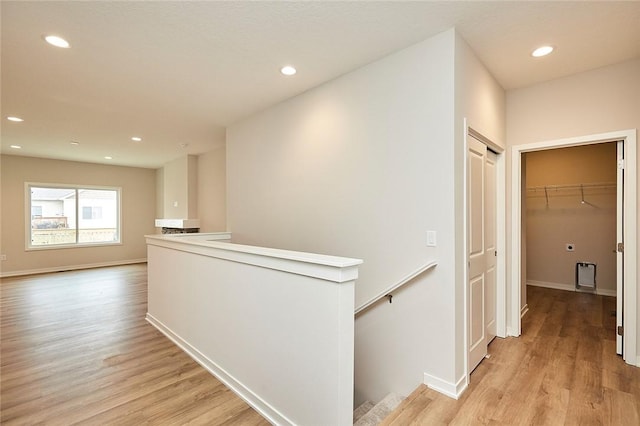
x: 501, y: 240
x: 628, y: 137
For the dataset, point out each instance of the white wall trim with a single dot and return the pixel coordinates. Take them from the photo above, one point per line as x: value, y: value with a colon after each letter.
x: 570, y: 287
x: 524, y: 310
x: 429, y: 380
x: 501, y: 227
x: 70, y: 268
x: 605, y: 292
x: 266, y: 410
x: 452, y: 390
x: 501, y: 241
x: 630, y: 353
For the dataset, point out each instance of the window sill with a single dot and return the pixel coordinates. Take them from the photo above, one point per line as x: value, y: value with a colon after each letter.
x: 71, y: 246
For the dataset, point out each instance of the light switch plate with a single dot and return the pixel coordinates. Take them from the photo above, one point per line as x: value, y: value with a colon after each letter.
x: 431, y: 238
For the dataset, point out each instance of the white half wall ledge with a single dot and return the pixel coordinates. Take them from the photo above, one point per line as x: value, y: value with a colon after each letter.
x: 452, y: 390
x: 200, y: 289
x: 325, y: 267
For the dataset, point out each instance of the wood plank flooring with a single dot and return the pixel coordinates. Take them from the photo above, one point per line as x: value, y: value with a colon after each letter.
x: 76, y: 349
x: 563, y: 370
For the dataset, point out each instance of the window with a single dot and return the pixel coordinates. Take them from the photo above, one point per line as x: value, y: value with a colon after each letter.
x: 63, y: 216
x: 89, y: 213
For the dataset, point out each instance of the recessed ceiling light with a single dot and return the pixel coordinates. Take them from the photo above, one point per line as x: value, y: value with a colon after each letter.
x: 136, y: 139
x: 16, y: 119
x: 108, y: 158
x: 542, y: 51
x: 288, y: 70
x: 74, y: 143
x: 57, y: 41
x: 16, y: 147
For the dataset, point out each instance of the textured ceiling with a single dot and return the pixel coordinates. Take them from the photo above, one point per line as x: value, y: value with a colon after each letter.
x: 177, y: 73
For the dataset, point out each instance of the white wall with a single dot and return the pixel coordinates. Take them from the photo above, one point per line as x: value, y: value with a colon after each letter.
x: 598, y: 101
x: 363, y: 166
x: 50, y: 208
x: 481, y: 101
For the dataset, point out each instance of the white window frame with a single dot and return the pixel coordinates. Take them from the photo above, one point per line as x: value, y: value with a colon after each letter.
x: 27, y: 209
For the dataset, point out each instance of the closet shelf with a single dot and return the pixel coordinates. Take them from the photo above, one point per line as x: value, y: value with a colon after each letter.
x: 572, y: 187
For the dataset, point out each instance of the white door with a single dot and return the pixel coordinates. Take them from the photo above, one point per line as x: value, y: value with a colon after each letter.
x: 477, y: 156
x: 620, y: 239
x: 490, y: 249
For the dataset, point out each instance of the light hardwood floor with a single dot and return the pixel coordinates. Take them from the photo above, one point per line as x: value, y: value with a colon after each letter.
x: 76, y: 349
x: 563, y: 370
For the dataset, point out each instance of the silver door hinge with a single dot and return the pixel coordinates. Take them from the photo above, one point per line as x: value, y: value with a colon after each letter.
x: 620, y: 330
x: 620, y: 247
x: 621, y: 164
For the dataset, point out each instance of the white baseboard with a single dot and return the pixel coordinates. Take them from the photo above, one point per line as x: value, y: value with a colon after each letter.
x: 524, y: 310
x: 261, y: 406
x: 555, y: 286
x: 569, y: 287
x: 70, y: 268
x: 606, y: 292
x: 452, y: 390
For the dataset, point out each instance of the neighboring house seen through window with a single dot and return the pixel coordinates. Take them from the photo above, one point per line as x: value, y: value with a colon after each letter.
x: 64, y: 216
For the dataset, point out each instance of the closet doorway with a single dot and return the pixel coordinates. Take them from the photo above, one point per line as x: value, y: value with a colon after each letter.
x: 621, y: 143
x: 570, y: 219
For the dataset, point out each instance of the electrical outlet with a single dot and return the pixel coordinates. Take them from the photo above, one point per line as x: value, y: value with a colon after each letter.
x: 570, y: 247
x: 3, y: 257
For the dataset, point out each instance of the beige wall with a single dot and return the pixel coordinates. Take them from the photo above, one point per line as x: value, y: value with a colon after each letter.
x: 212, y: 180
x: 192, y: 186
x: 180, y: 188
x: 198, y: 185
x: 591, y: 226
x: 160, y: 193
x: 598, y: 101
x: 138, y: 205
